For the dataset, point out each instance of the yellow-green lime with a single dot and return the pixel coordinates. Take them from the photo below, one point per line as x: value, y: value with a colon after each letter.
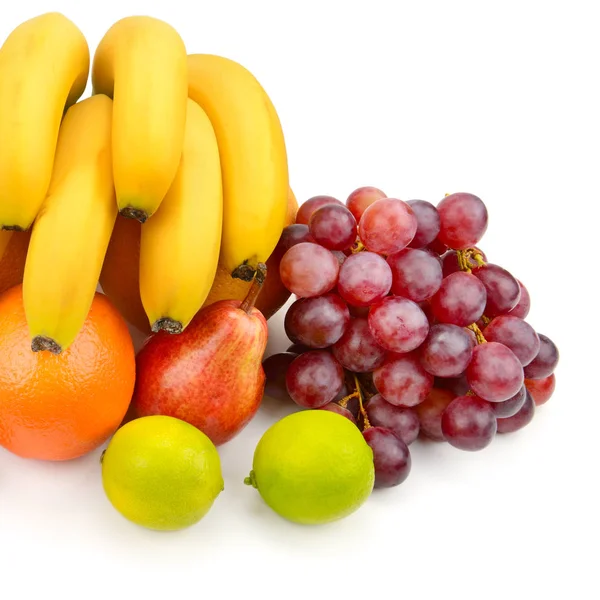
x: 161, y: 473
x: 313, y: 467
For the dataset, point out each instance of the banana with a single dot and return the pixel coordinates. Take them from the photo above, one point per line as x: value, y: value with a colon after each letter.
x: 72, y: 230
x: 179, y: 248
x: 141, y: 63
x: 253, y: 159
x: 44, y: 65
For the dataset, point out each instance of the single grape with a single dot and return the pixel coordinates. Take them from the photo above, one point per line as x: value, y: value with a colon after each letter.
x: 398, y: 324
x: 357, y: 350
x: 450, y: 261
x: 416, y: 274
x: 292, y: 235
x: 275, y: 367
x: 308, y: 270
x: 387, y: 226
x: 459, y: 386
x: 468, y: 423
x: 333, y: 226
x: 430, y: 413
x: 521, y: 310
x: 463, y: 220
x: 545, y: 361
x: 460, y: 299
x: 365, y: 278
x: 313, y: 379
x: 494, y: 373
x: 516, y: 334
x: 402, y: 421
x: 509, y: 407
x: 390, y: 455
x: 541, y: 389
x: 360, y: 199
x: 503, y: 291
x: 307, y: 208
x: 402, y: 381
x: 428, y: 223
x: 519, y: 420
x: 298, y: 349
x: 340, y: 410
x: 317, y: 322
x: 447, y: 350
x: 437, y: 247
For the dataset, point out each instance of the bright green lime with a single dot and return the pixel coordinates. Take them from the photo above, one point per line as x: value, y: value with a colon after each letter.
x: 313, y: 467
x: 161, y: 473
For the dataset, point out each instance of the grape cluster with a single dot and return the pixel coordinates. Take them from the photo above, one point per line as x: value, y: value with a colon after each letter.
x: 402, y: 325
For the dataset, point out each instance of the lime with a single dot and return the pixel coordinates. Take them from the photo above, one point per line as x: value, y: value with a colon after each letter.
x: 161, y: 473
x: 313, y: 467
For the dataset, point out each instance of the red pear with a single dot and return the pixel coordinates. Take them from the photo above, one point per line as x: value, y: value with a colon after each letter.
x: 211, y: 374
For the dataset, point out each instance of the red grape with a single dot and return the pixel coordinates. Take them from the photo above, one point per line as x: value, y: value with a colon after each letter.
x: 292, y: 235
x: 360, y: 199
x: 503, y: 291
x: 333, y: 226
x: 308, y: 270
x: 450, y: 261
x: 463, y: 220
x: 459, y: 386
x: 515, y: 334
x: 317, y: 322
x: 402, y: 381
x: 545, y: 361
x: 519, y: 420
x: 541, y: 389
x: 430, y: 413
x: 307, y: 208
x: 521, y: 310
x: 468, y: 423
x: 402, y: 421
x: 390, y: 455
x: 398, y: 324
x: 340, y: 410
x: 357, y: 349
x: 494, y: 373
x: 298, y: 349
x: 358, y: 311
x: 365, y: 278
x: 416, y: 274
x: 387, y: 226
x: 437, y: 247
x: 509, y: 407
x: 460, y: 299
x: 425, y: 306
x: 447, y: 350
x: 428, y: 223
x: 313, y: 379
x: 275, y: 367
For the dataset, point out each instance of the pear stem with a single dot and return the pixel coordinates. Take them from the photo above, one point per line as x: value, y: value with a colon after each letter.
x: 257, y: 283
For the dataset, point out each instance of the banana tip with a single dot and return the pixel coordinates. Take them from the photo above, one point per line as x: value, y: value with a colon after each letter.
x: 167, y: 324
x: 129, y: 212
x: 42, y: 343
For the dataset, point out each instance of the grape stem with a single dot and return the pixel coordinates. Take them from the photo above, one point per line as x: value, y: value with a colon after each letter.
x: 478, y: 333
x: 363, y: 412
x: 358, y: 247
x: 465, y: 256
x: 344, y: 401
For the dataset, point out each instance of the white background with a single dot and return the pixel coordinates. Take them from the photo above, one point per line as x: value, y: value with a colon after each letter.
x: 418, y: 98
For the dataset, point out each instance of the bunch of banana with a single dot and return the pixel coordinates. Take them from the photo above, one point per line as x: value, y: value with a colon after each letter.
x: 190, y: 146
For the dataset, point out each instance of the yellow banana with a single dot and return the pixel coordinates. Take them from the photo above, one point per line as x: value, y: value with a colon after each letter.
x: 141, y: 63
x: 72, y: 230
x: 253, y: 159
x: 179, y: 248
x: 44, y: 65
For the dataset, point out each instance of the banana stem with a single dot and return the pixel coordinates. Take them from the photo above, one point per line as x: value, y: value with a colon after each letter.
x: 259, y: 278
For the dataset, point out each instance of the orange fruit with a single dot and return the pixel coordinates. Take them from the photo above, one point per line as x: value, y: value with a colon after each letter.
x: 12, y: 261
x: 58, y: 407
x: 120, y: 275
